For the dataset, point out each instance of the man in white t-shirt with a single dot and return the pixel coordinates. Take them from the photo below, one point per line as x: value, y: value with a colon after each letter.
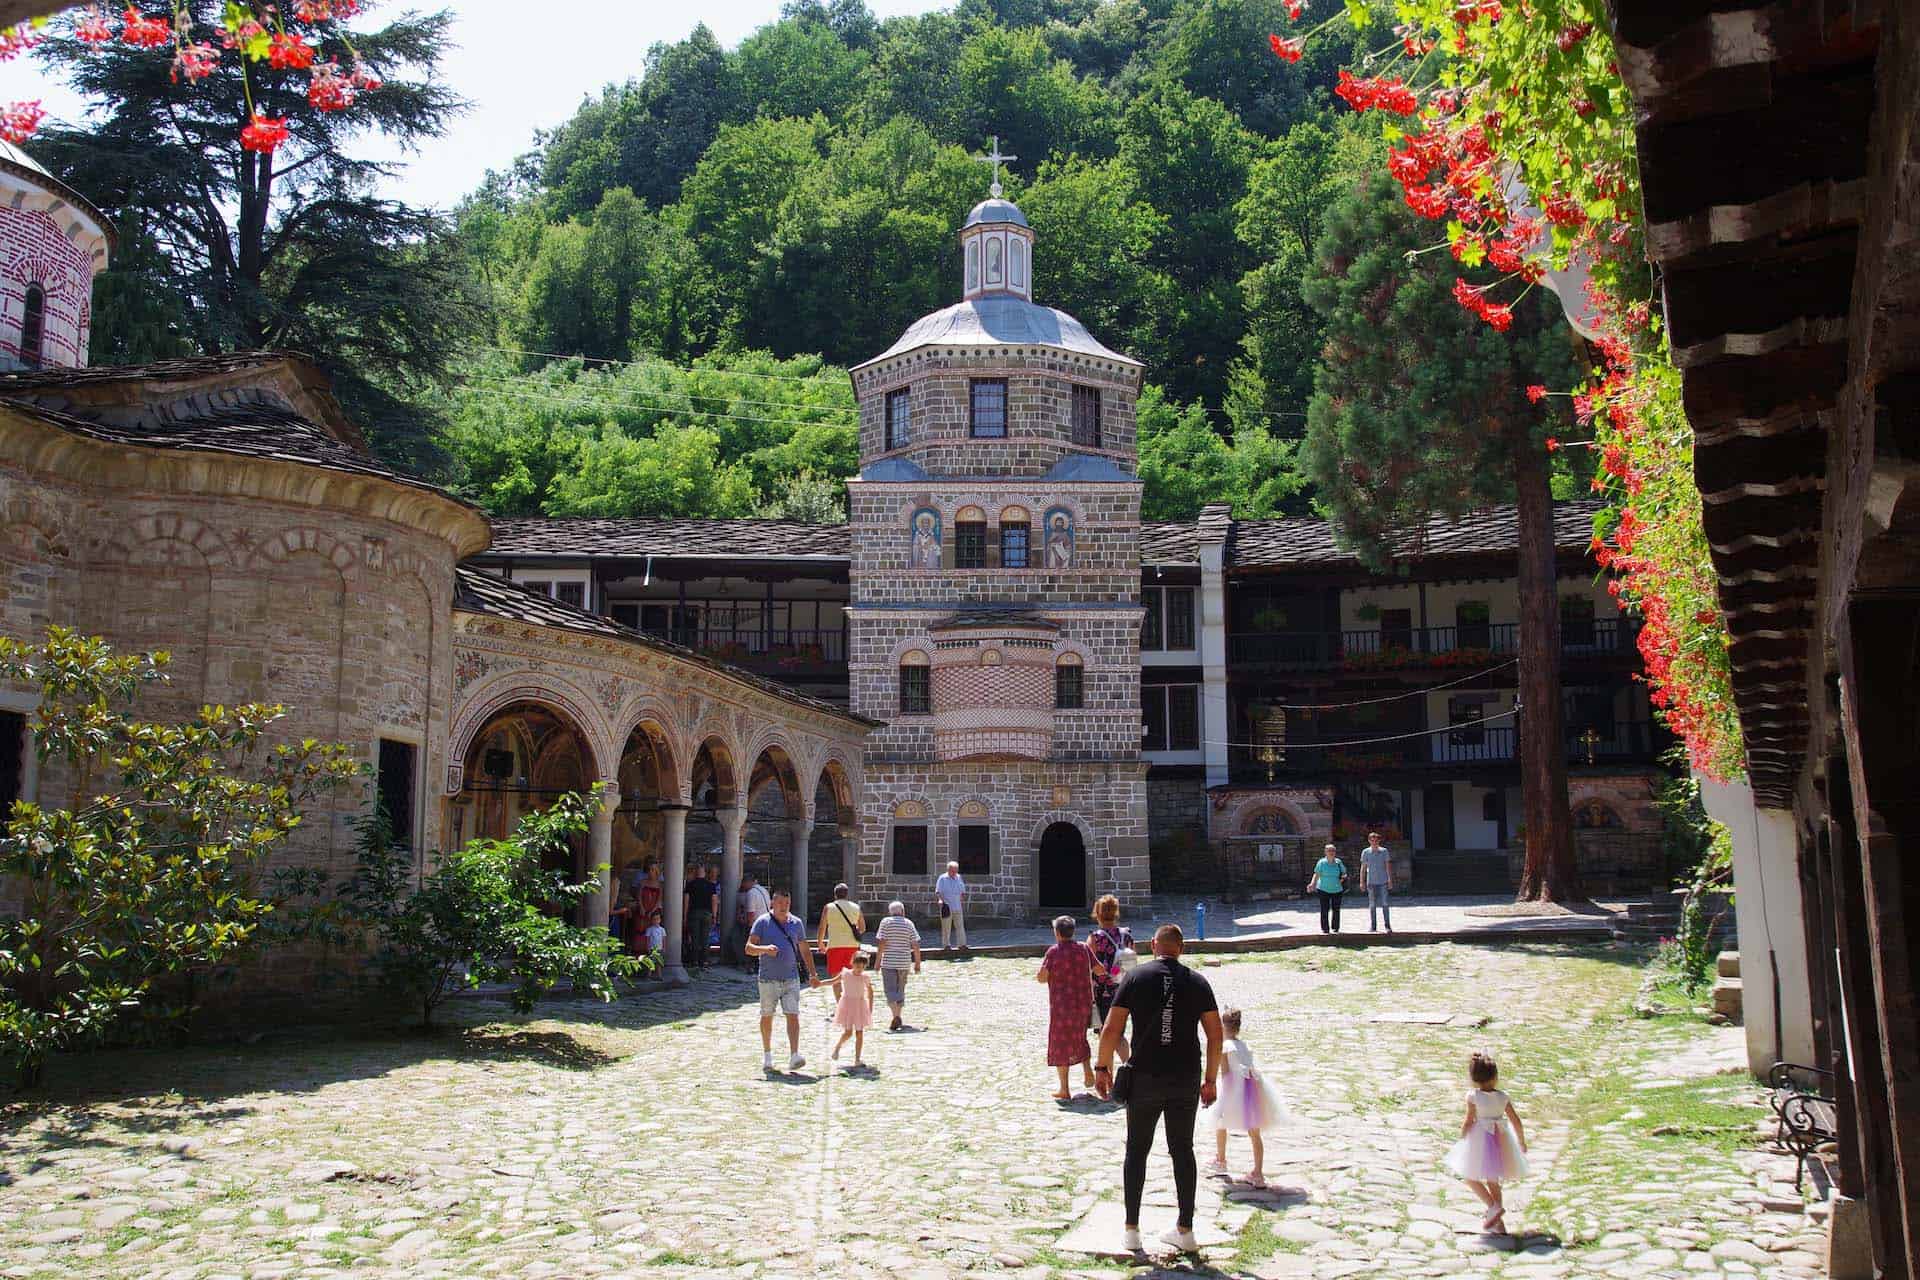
x: 1376, y: 877
x: 950, y: 899
x: 753, y: 904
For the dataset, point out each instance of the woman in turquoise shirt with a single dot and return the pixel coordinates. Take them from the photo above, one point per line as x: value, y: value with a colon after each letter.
x: 1329, y: 880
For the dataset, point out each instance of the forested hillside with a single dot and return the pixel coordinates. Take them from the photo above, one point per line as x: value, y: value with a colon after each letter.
x: 717, y: 238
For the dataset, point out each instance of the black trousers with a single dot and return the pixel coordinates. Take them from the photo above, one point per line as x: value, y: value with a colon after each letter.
x: 1329, y: 902
x: 1177, y: 1100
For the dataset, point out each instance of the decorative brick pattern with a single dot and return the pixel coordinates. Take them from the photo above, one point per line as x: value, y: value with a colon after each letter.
x: 35, y: 251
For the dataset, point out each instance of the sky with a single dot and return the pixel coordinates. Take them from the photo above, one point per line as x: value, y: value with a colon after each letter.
x: 519, y: 75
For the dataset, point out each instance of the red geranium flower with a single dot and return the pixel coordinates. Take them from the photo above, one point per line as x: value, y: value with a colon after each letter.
x: 1287, y: 50
x: 1536, y: 393
x: 289, y: 53
x: 143, y: 32
x: 264, y: 133
x: 18, y: 120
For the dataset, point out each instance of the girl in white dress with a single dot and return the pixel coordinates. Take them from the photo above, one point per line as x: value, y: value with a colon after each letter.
x: 1493, y: 1143
x: 1247, y: 1104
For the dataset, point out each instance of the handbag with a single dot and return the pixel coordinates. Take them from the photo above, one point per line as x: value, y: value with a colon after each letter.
x: 945, y: 910
x: 1122, y: 1087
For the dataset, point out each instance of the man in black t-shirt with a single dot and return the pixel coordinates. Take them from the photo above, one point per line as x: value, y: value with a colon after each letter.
x: 699, y: 916
x: 1170, y: 1005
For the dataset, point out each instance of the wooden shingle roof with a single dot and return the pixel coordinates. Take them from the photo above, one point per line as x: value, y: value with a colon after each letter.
x: 682, y: 539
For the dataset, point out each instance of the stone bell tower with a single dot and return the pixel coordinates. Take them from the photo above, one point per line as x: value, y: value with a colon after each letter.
x: 995, y: 609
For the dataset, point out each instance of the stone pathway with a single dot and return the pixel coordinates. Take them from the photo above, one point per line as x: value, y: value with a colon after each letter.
x: 641, y: 1139
x: 1296, y: 917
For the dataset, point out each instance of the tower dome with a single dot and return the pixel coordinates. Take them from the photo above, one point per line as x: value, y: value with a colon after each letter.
x: 52, y: 240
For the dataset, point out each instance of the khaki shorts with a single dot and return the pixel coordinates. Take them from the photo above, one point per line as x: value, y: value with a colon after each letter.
x: 785, y: 995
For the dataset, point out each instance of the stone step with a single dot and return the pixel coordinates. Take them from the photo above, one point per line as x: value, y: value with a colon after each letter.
x: 1727, y: 997
x: 1727, y: 964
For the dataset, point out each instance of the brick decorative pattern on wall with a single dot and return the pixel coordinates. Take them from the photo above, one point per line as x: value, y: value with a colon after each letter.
x: 34, y: 251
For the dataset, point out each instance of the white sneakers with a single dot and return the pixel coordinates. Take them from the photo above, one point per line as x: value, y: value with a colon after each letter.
x: 794, y: 1061
x: 1184, y: 1241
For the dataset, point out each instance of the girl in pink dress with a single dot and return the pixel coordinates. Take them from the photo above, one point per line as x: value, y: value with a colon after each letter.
x: 854, y: 1014
x: 1248, y: 1103
x: 1493, y: 1143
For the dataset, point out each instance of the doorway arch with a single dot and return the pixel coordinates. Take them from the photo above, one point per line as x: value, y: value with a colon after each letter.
x: 1062, y: 879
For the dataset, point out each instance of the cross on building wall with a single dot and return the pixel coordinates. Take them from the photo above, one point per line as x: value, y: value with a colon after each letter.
x: 994, y: 158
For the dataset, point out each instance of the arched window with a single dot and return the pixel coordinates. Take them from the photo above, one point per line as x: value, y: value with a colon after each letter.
x: 1069, y: 683
x: 1016, y: 538
x: 970, y: 538
x: 916, y: 684
x: 32, y: 324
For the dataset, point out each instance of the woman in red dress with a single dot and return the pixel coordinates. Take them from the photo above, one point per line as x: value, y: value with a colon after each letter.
x: 1068, y: 973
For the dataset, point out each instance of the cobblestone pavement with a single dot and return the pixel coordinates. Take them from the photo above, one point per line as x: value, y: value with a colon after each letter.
x: 642, y: 1139
x: 1294, y: 917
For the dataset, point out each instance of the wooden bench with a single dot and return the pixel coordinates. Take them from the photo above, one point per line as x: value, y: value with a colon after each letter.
x: 1803, y: 1104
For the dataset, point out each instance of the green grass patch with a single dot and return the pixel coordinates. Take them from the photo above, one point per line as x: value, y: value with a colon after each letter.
x: 1258, y: 1242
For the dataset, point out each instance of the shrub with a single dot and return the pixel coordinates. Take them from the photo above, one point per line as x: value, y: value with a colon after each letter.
x: 152, y: 869
x: 482, y: 916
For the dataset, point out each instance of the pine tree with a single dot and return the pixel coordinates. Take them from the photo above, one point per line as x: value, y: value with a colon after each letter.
x: 1420, y: 410
x: 289, y: 249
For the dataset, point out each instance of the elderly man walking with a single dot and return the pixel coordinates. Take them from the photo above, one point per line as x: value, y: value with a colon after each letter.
x: 779, y: 938
x: 950, y: 897
x: 1169, y: 1005
x: 899, y: 950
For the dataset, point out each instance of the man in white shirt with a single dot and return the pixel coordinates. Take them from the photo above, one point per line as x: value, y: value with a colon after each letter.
x: 950, y: 899
x: 1376, y: 877
x: 753, y: 904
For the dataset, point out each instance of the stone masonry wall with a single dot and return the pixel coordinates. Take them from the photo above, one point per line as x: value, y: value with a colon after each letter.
x: 34, y: 251
x: 341, y: 618
x: 1107, y: 802
x: 1039, y: 393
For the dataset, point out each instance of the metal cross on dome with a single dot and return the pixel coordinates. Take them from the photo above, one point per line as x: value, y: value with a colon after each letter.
x: 994, y: 158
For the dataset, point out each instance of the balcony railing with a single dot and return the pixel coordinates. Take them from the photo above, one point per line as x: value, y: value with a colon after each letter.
x: 1445, y: 749
x: 774, y: 650
x: 1388, y: 648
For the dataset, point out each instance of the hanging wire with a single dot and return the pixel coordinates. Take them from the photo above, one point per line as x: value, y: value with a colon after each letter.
x: 1392, y: 697
x: 1367, y: 742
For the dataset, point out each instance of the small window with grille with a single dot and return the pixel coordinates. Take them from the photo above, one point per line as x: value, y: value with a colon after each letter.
x: 1086, y: 416
x: 899, y: 418
x: 1069, y: 683
x: 1016, y: 540
x: 987, y: 418
x: 969, y: 544
x: 916, y: 685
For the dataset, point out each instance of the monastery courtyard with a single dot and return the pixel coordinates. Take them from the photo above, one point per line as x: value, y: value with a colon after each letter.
x: 642, y: 1139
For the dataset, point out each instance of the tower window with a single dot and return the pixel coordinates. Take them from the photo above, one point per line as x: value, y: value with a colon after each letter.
x: 973, y: 849
x: 899, y: 418
x: 33, y: 318
x: 1016, y: 539
x: 395, y: 788
x: 987, y: 418
x: 969, y: 544
x: 909, y: 851
x: 1069, y: 683
x: 916, y: 685
x: 1086, y: 416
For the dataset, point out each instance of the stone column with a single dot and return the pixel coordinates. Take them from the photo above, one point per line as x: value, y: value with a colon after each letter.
x: 1214, y: 525
x: 600, y: 854
x: 850, y: 860
x: 733, y: 825
x: 801, y: 829
x: 673, y: 869
x: 1776, y: 990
